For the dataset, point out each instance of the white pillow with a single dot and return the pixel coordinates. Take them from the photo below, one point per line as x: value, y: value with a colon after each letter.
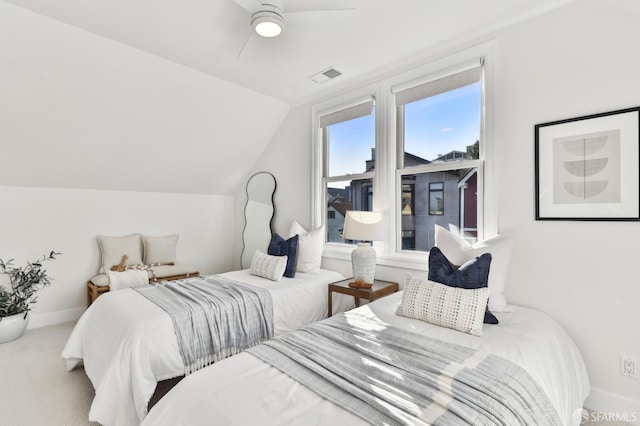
x: 160, y: 250
x: 452, y: 307
x: 310, y: 246
x: 113, y: 248
x: 459, y: 251
x: 130, y: 278
x: 270, y: 267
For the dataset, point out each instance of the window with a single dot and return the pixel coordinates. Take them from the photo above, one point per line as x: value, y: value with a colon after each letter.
x: 438, y: 140
x: 407, y: 209
x: 417, y: 154
x: 436, y: 198
x: 348, y: 142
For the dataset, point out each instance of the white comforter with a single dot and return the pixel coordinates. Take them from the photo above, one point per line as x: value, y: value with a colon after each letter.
x: 127, y: 343
x: 243, y: 390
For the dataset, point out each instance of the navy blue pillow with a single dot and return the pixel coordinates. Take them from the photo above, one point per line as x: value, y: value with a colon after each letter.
x: 473, y: 274
x: 281, y: 247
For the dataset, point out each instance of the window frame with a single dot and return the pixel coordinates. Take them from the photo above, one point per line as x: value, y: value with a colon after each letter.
x: 320, y: 155
x: 388, y: 177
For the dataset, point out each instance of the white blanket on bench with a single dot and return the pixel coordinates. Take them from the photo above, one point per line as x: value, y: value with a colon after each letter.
x: 129, y: 278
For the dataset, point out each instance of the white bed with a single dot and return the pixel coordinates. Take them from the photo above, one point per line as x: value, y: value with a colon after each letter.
x: 243, y: 390
x: 128, y: 344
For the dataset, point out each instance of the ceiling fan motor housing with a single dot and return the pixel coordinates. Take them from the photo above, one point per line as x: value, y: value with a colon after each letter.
x: 268, y: 22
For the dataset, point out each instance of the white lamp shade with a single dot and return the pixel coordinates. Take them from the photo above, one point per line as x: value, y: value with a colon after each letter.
x: 363, y: 226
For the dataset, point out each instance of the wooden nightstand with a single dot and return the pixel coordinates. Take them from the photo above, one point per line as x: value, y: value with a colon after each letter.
x: 379, y: 289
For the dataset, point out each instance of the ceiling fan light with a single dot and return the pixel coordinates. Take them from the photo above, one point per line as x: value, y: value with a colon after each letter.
x: 268, y: 29
x: 267, y: 23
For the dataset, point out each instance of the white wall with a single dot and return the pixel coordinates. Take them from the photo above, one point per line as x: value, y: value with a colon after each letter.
x: 34, y: 221
x: 288, y: 158
x: 82, y: 111
x: 578, y: 60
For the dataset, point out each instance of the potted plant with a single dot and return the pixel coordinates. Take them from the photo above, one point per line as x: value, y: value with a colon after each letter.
x: 15, y: 303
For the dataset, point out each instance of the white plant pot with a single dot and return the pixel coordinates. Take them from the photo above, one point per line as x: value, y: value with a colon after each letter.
x: 13, y: 327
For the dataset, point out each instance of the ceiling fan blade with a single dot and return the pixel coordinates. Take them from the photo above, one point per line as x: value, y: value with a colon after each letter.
x: 244, y: 45
x: 250, y: 6
x: 346, y: 9
x: 318, y: 6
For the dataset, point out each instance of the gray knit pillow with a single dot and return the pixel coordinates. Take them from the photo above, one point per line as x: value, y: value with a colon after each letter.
x: 457, y: 308
x: 270, y: 267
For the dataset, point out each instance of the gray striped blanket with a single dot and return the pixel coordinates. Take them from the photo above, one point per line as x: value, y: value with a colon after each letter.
x: 214, y: 317
x: 390, y: 376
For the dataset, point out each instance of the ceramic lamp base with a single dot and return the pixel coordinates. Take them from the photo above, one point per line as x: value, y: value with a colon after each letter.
x: 363, y: 262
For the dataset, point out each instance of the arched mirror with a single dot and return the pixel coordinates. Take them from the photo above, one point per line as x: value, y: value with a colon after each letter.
x: 258, y: 214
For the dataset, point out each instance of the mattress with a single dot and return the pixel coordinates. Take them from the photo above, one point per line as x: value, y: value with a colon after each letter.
x: 243, y: 390
x: 128, y: 344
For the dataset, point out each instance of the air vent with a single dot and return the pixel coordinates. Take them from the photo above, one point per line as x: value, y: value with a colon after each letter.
x: 326, y: 75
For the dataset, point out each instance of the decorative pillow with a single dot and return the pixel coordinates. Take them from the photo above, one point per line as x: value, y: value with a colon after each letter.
x: 113, y: 248
x: 160, y: 250
x: 457, y: 308
x: 471, y: 275
x: 310, y: 246
x: 459, y: 251
x: 128, y: 279
x: 281, y: 247
x: 270, y: 267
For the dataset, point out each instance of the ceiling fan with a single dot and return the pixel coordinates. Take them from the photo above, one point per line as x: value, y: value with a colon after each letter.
x: 267, y: 17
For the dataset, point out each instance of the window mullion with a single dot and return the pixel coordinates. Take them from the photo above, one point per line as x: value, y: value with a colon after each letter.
x: 443, y: 167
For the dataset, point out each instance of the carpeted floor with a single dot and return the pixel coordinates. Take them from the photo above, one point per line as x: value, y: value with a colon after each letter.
x: 36, y: 388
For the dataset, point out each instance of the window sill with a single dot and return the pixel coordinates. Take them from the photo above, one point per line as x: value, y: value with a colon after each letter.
x: 405, y: 260
x: 415, y: 261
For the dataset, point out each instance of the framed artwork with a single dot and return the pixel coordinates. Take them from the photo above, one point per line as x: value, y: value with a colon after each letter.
x: 588, y: 168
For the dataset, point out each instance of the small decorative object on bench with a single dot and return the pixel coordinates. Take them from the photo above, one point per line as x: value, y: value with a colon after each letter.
x: 120, y: 267
x: 130, y: 257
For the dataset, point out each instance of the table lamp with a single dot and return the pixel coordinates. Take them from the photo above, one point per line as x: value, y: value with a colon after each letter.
x: 365, y: 227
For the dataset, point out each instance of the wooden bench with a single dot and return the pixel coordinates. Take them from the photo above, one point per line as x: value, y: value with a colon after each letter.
x: 94, y: 291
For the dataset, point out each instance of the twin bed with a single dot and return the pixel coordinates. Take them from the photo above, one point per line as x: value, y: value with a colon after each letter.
x: 371, y: 365
x: 128, y: 344
x: 527, y: 344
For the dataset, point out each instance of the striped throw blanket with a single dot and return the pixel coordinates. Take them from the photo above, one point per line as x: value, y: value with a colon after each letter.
x: 214, y: 317
x: 389, y: 376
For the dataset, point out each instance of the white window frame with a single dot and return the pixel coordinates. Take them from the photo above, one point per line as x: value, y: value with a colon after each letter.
x: 402, y: 171
x: 387, y: 180
x: 320, y: 162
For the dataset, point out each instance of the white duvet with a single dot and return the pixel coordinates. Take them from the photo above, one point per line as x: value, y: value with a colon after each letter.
x: 128, y: 344
x: 243, y: 390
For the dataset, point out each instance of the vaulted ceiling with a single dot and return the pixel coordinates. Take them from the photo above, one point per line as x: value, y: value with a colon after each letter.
x: 207, y: 35
x: 152, y: 96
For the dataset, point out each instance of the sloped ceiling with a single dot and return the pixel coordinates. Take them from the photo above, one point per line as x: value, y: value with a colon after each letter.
x: 150, y: 96
x: 81, y: 111
x: 207, y: 35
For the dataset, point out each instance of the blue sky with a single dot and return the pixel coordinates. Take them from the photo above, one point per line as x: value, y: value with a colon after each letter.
x: 434, y: 126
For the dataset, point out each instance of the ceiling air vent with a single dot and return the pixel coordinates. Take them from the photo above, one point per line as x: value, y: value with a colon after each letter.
x: 326, y: 75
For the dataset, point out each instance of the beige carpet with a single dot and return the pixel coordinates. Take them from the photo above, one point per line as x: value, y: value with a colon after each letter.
x: 36, y: 388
